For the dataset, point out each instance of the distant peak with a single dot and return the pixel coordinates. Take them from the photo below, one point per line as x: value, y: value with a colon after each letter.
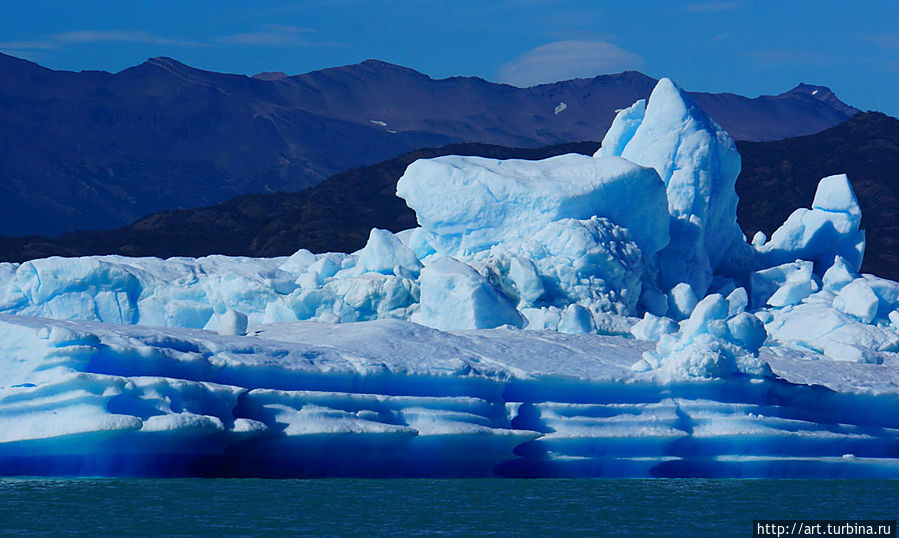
x: 176, y: 69
x: 823, y: 94
x: 380, y: 66
x: 270, y: 75
x: 166, y: 63
x: 818, y: 91
x: 9, y: 60
x: 633, y: 75
x: 169, y: 65
x: 630, y: 77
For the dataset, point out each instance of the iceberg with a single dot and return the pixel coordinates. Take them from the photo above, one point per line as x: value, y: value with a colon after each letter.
x: 455, y: 296
x: 394, y: 398
x: 466, y: 205
x: 575, y: 316
x: 828, y: 229
x: 699, y: 164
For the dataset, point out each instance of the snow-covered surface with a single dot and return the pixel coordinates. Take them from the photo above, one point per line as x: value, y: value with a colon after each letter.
x: 575, y: 316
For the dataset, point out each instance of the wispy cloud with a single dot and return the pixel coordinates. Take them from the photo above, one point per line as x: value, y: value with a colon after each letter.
x: 699, y: 7
x: 790, y: 56
x: 120, y: 36
x: 27, y: 45
x: 275, y: 35
x: 80, y: 37
x: 563, y: 60
x: 271, y: 35
x: 888, y: 41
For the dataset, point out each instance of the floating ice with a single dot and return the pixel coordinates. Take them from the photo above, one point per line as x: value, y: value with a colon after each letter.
x: 699, y: 163
x: 455, y: 296
x: 384, y: 253
x: 682, y: 299
x: 392, y: 398
x: 233, y: 323
x: 466, y: 205
x: 858, y: 300
x: 829, y: 228
x: 712, y: 344
x: 732, y: 359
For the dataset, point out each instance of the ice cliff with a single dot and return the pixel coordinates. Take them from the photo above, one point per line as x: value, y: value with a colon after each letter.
x: 576, y: 316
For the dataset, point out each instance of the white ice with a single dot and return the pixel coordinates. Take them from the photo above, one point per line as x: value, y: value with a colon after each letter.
x: 657, y: 341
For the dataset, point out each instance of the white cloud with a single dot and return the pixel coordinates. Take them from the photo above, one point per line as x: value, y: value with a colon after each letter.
x: 24, y: 48
x: 26, y: 45
x: 564, y: 60
x: 118, y: 36
x: 273, y: 35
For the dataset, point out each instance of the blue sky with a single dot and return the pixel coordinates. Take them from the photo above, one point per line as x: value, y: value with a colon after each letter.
x: 748, y: 47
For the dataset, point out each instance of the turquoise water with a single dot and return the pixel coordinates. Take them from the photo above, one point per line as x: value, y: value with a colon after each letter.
x: 38, y: 506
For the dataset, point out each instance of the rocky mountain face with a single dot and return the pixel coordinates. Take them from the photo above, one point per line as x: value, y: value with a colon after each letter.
x: 337, y: 214
x: 779, y: 176
x: 95, y: 150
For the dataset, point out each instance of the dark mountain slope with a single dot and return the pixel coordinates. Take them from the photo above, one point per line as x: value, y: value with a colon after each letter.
x: 335, y: 215
x: 805, y: 109
x: 780, y: 176
x: 97, y: 150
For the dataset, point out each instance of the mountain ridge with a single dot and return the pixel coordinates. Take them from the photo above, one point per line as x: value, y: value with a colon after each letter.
x: 337, y: 214
x: 98, y: 150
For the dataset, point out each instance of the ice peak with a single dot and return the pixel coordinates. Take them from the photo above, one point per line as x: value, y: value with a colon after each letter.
x: 668, y: 94
x: 699, y: 164
x: 835, y: 193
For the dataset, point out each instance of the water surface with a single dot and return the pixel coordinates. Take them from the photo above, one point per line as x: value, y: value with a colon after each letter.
x: 343, y: 507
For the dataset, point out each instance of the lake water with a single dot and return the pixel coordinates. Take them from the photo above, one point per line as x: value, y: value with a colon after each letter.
x: 690, y: 507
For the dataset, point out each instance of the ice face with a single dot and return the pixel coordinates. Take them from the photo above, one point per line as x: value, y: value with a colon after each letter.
x: 785, y: 284
x: 466, y: 205
x: 682, y: 299
x: 392, y: 398
x: 828, y: 229
x: 455, y: 296
x: 622, y: 130
x: 858, y: 300
x: 838, y: 275
x: 653, y: 327
x: 587, y: 262
x: 699, y: 164
x: 233, y: 323
x: 384, y: 252
x: 711, y: 343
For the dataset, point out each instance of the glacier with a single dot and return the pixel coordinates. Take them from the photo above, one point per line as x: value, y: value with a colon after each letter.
x: 576, y: 316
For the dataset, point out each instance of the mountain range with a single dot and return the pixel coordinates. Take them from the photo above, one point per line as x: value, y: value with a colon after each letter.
x: 337, y: 214
x: 98, y: 150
